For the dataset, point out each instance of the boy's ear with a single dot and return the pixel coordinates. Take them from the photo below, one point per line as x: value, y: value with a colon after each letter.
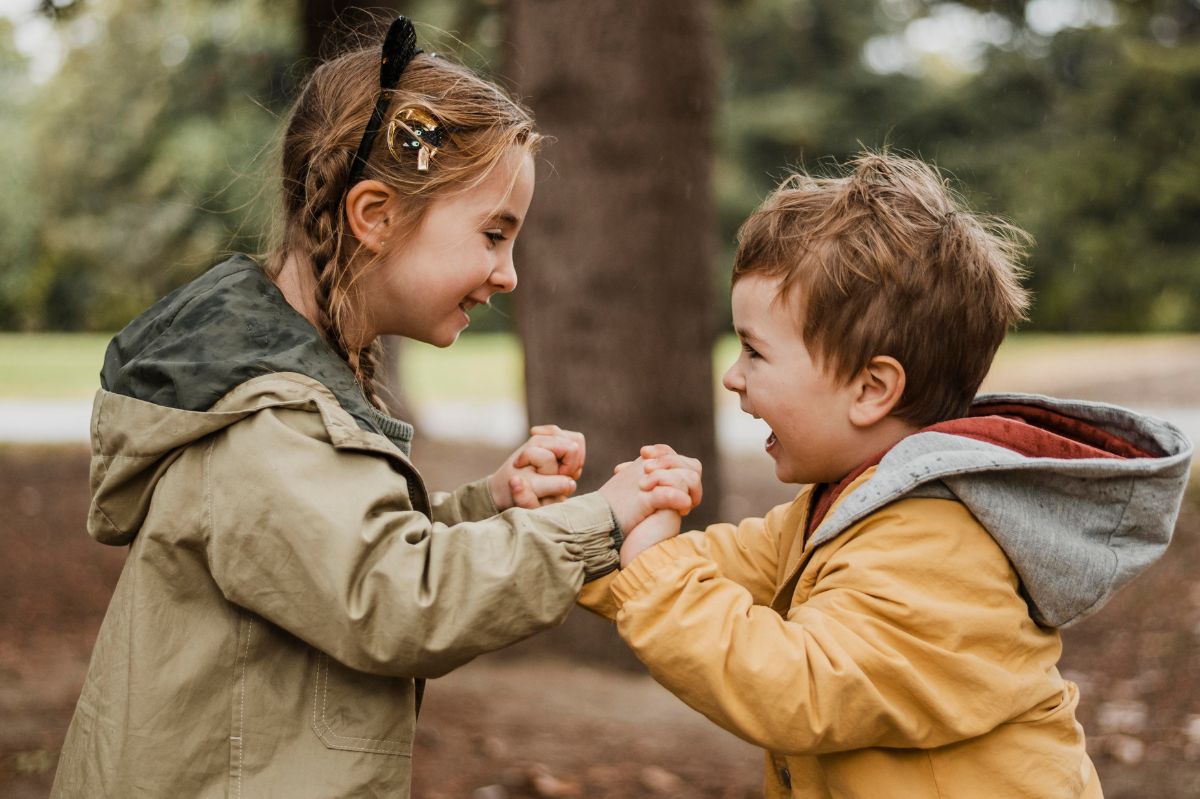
x: 367, y: 205
x: 877, y: 390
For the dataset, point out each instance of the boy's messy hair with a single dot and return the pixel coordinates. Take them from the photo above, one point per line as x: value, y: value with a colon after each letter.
x: 887, y: 260
x: 323, y: 131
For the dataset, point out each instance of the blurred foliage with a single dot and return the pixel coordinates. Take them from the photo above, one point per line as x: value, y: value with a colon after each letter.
x: 139, y: 144
x: 148, y: 152
x: 1087, y: 137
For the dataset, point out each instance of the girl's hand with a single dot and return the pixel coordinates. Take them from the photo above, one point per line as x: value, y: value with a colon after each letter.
x: 540, y: 471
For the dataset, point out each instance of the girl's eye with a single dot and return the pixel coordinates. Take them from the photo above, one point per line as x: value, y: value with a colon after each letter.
x: 495, y: 236
x: 750, y: 351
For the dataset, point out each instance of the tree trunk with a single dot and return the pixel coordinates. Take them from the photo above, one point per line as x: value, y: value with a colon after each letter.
x: 616, y: 262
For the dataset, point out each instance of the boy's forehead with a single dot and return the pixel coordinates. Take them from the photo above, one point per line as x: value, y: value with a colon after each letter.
x: 760, y: 293
x: 760, y: 304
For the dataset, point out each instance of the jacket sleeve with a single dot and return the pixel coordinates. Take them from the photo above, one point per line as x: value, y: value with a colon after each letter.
x: 914, y: 635
x: 468, y: 503
x: 746, y: 554
x: 324, y: 543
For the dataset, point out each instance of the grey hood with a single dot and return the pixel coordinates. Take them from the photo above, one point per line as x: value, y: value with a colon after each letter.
x: 1076, y: 528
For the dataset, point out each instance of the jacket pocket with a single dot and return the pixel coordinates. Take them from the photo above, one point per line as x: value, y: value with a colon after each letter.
x: 362, y: 712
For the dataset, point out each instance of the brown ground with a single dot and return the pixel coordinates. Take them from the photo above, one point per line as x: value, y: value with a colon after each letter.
x: 569, y: 714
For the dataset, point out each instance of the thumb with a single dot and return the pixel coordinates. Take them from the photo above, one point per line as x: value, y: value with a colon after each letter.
x: 522, y: 492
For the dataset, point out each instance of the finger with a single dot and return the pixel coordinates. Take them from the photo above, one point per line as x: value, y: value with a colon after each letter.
x: 680, y: 478
x: 673, y: 461
x: 522, y: 492
x: 656, y: 450
x: 571, y: 448
x: 554, y: 486
x: 566, y: 452
x: 542, y: 460
x: 620, y: 467
x: 572, y: 464
x: 666, y: 498
x: 684, y: 479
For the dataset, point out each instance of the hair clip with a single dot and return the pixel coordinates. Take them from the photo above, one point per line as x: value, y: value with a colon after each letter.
x: 420, y: 132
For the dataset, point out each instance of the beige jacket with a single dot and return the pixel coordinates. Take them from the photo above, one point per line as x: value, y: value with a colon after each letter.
x: 282, y: 594
x: 896, y: 661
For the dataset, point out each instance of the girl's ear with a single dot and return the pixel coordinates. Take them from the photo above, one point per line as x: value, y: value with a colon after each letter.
x: 368, y: 204
x: 877, y: 390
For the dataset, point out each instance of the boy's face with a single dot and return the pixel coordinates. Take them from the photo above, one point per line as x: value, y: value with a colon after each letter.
x: 776, y: 380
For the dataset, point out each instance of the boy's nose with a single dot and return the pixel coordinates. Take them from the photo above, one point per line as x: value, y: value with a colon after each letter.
x: 732, y: 379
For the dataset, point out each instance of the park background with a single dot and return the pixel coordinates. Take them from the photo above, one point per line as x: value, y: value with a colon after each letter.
x: 138, y: 147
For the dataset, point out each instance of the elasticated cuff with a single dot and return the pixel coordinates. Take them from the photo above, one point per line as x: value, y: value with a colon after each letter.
x: 638, y: 576
x: 476, y: 500
x: 590, y: 520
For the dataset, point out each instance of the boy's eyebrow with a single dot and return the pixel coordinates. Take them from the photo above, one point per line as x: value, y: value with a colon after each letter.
x: 746, y: 333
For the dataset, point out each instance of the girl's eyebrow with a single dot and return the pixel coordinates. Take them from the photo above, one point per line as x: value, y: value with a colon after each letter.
x: 506, y: 218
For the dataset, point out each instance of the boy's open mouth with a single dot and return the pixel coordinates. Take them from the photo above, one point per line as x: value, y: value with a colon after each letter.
x: 771, y: 441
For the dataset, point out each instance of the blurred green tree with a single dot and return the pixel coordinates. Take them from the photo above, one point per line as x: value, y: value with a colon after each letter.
x: 19, y: 199
x: 147, y: 141
x: 141, y: 158
x: 1077, y: 119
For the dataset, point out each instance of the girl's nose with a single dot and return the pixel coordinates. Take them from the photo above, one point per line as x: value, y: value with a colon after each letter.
x: 504, y: 276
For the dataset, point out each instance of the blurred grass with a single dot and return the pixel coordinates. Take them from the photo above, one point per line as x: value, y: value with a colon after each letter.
x: 51, y: 365
x: 67, y: 366
x: 481, y: 366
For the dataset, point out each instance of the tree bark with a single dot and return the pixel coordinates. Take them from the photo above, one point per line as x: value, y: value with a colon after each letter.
x: 615, y: 304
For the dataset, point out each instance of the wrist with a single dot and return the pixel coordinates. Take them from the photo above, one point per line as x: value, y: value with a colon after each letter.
x: 631, y: 549
x: 498, y: 488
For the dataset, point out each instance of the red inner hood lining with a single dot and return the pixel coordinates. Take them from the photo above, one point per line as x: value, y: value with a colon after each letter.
x: 1031, y: 431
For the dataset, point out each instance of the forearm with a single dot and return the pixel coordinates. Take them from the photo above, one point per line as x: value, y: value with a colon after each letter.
x: 827, y: 679
x: 401, y: 596
x: 346, y: 564
x: 467, y: 503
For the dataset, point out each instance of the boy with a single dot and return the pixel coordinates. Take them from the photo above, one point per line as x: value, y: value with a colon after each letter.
x: 893, y: 631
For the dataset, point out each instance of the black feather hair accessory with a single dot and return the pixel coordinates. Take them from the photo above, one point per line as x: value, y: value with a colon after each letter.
x: 399, y: 49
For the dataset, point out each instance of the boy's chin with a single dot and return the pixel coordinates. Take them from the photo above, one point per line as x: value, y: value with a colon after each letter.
x: 797, y: 474
x: 786, y: 473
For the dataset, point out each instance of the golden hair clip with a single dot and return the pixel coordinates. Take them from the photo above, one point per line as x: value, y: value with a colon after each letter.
x: 419, y: 131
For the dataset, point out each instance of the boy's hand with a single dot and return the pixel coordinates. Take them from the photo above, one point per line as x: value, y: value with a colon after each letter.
x: 657, y: 527
x: 659, y: 480
x: 540, y: 471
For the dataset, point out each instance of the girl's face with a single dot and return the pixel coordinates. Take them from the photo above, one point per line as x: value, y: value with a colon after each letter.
x: 459, y: 256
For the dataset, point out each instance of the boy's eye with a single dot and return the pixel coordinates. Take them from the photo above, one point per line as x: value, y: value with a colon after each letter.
x: 495, y: 236
x: 750, y: 351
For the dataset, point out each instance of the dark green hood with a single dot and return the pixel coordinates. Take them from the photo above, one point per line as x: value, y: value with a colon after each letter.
x: 228, y: 326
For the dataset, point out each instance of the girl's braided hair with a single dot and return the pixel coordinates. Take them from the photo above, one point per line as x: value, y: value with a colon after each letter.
x: 323, y: 131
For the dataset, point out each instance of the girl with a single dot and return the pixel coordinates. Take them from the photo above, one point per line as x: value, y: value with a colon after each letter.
x: 290, y: 582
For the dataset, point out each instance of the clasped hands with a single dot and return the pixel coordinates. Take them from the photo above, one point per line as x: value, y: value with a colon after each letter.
x: 648, y: 495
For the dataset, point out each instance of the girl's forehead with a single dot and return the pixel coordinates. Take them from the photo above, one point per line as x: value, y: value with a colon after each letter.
x: 503, y: 195
x: 507, y: 189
